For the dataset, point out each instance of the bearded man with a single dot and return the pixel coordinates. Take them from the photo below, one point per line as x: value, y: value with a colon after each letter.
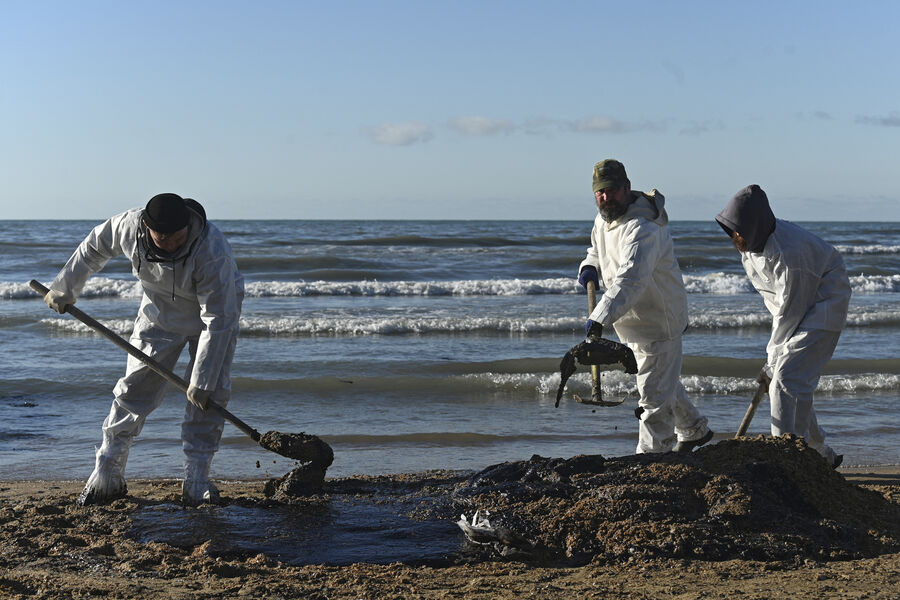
x: 632, y: 261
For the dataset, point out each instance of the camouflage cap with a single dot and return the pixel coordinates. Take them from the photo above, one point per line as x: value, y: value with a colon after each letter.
x: 609, y: 173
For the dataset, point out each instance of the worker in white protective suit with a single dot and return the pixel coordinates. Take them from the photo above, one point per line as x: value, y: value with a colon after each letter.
x: 632, y: 261
x: 192, y: 295
x: 804, y: 285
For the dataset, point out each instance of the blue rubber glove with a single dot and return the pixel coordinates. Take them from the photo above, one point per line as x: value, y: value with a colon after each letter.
x: 588, y: 273
x: 593, y: 329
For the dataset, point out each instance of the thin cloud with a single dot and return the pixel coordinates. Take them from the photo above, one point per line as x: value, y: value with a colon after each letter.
x: 406, y: 134
x: 604, y: 124
x: 594, y: 124
x: 476, y: 125
x: 598, y: 124
x: 400, y: 134
x: 699, y: 128
x: 542, y: 126
x: 890, y: 121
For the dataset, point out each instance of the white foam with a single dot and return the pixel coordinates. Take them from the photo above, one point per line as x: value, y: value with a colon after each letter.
x: 728, y: 319
x: 474, y: 287
x: 877, y: 317
x: 731, y: 319
x: 859, y: 383
x: 875, y: 283
x: 123, y: 327
x: 351, y: 326
x: 713, y: 283
x: 717, y: 283
x: 96, y: 287
x: 402, y: 325
x: 616, y: 383
x: 16, y: 291
x: 868, y: 249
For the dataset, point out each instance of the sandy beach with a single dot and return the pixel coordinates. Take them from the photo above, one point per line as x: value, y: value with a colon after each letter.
x: 849, y: 547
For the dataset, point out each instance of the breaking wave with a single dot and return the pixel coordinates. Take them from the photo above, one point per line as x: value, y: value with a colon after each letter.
x: 714, y: 283
x: 489, y: 287
x: 875, y: 283
x: 731, y: 283
x: 616, y: 384
x: 352, y: 326
x: 868, y: 249
x: 717, y: 283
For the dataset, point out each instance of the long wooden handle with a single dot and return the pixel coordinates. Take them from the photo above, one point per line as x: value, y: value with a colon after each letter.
x: 751, y: 410
x: 155, y: 366
x: 592, y: 295
x: 595, y: 370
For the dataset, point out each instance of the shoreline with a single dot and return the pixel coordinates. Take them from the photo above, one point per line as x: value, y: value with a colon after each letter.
x: 880, y: 475
x: 868, y: 475
x: 51, y: 548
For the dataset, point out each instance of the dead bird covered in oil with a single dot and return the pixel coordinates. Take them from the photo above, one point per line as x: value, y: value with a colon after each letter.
x: 594, y: 351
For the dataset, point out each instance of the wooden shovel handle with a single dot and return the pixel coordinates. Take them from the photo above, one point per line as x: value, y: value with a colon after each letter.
x: 751, y: 410
x: 592, y: 295
x: 595, y: 371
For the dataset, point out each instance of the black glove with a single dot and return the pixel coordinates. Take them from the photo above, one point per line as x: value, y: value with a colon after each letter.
x: 588, y: 273
x: 593, y: 330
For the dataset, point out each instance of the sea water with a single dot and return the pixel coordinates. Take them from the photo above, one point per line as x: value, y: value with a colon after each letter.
x: 416, y: 345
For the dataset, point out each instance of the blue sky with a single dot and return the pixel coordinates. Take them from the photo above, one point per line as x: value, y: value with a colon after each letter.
x: 460, y: 109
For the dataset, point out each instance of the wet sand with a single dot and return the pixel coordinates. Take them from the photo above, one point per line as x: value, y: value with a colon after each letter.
x: 597, y: 528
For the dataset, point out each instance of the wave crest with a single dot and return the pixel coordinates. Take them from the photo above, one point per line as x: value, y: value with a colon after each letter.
x: 713, y: 283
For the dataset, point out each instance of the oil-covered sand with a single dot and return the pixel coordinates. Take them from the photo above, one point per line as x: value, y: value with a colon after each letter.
x: 751, y: 518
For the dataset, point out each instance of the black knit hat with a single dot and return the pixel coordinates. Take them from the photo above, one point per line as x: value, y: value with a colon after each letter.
x: 166, y: 213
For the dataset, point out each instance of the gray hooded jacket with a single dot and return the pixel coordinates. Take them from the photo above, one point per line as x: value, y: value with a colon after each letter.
x: 801, y: 278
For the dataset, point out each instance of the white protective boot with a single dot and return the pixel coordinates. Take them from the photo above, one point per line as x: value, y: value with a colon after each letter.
x: 197, y: 489
x: 107, y: 481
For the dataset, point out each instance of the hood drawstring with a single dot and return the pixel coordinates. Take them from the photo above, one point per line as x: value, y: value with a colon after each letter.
x: 183, y: 264
x: 140, y: 244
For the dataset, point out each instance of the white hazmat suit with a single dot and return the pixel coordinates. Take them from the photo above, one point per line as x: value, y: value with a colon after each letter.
x: 804, y: 284
x: 190, y: 298
x: 645, y: 302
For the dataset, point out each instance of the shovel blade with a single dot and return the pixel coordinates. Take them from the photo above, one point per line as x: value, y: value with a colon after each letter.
x: 298, y: 446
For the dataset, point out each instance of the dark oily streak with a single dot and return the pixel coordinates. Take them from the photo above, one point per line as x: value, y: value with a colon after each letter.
x: 299, y: 446
x: 307, y: 479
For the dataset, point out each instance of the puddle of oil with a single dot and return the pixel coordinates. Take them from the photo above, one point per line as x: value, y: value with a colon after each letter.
x: 342, y: 533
